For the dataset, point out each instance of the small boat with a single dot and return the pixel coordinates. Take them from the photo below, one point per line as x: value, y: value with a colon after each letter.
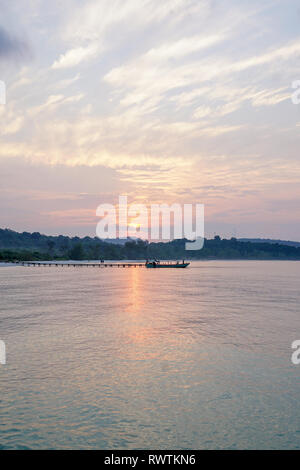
x: 158, y: 264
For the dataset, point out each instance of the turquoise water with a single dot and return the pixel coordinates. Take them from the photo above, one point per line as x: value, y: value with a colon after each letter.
x: 154, y: 359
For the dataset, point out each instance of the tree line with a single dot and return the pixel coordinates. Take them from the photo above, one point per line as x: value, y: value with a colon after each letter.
x: 35, y: 246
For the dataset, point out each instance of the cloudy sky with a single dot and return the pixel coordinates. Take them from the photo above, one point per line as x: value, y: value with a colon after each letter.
x: 184, y: 101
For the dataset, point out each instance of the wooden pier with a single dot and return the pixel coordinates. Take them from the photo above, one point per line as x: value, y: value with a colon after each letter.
x: 81, y: 265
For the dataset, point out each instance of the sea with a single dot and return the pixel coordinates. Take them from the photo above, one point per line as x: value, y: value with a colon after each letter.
x: 136, y: 358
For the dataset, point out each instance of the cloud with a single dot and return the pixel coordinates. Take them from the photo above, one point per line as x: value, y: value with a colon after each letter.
x: 54, y: 101
x: 12, y: 127
x: 95, y: 19
x: 182, y: 47
x: 75, y: 56
x: 11, y: 47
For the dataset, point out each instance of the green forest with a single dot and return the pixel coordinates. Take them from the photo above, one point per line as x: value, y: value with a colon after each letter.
x: 15, y: 246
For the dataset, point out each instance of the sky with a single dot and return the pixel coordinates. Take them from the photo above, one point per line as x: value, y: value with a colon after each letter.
x: 180, y: 101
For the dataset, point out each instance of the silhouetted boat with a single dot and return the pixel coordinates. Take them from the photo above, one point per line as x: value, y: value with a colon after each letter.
x: 158, y: 264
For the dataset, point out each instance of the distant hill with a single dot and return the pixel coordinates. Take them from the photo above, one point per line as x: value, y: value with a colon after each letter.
x: 269, y: 240
x: 36, y: 246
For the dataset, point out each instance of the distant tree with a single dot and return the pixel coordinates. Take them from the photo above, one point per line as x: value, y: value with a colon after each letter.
x: 77, y: 252
x: 50, y: 244
x: 95, y: 251
x: 36, y: 235
x: 64, y: 246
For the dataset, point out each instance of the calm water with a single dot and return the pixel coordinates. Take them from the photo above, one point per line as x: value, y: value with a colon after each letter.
x: 137, y: 358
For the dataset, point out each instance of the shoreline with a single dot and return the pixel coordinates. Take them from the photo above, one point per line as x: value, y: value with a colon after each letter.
x: 79, y: 262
